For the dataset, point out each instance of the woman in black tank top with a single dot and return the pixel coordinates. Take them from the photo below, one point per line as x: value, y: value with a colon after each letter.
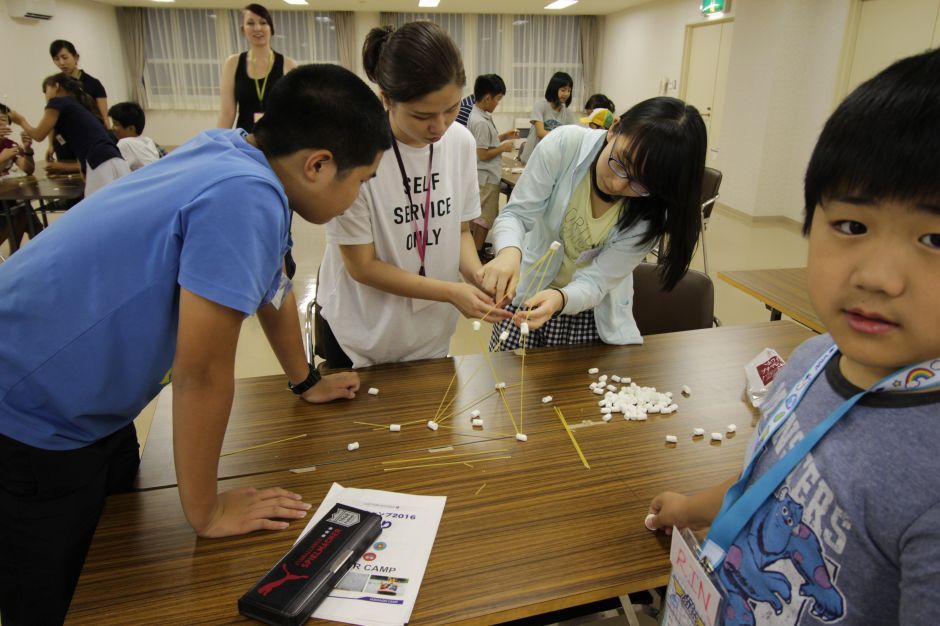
x: 248, y: 77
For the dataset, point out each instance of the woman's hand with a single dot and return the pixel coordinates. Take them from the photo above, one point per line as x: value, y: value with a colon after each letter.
x: 475, y: 304
x: 16, y: 118
x: 539, y: 308
x: 501, y: 275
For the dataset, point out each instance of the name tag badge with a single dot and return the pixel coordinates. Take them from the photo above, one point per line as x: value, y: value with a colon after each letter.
x: 588, y: 255
x: 283, y: 288
x: 692, y: 597
x: 258, y: 116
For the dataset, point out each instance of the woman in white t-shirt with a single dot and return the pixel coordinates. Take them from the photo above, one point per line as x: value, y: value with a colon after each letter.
x: 550, y: 112
x: 390, y: 285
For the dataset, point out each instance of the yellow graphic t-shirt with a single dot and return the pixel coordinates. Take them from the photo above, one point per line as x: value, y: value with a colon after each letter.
x: 583, y: 235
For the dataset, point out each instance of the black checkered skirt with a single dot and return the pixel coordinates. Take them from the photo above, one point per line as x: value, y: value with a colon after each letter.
x: 563, y: 330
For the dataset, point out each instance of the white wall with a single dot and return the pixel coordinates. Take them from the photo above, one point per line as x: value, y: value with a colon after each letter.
x: 781, y: 82
x: 24, y: 46
x: 641, y: 46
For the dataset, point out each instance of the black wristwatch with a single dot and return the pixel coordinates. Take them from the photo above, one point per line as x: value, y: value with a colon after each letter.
x: 312, y: 379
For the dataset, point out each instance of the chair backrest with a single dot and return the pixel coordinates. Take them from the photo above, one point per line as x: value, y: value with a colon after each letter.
x: 690, y: 305
x: 711, y: 181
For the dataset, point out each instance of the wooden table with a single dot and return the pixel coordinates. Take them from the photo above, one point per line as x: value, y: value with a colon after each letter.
x: 783, y: 291
x: 544, y: 534
x: 508, y: 177
x: 22, y: 191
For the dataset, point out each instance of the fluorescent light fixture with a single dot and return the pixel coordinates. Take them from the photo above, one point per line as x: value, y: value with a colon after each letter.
x: 557, y: 5
x: 296, y: 1
x: 430, y: 4
x: 167, y: 2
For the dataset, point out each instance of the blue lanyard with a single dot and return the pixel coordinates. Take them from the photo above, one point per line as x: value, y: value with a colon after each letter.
x: 741, y: 503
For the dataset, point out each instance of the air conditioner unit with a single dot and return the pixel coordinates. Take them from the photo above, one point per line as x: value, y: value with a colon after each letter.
x: 31, y: 9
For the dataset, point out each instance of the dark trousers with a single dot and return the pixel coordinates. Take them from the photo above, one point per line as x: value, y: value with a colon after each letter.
x: 327, y: 347
x: 50, y: 502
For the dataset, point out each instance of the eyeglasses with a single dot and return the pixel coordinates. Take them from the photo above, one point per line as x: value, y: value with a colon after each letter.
x: 618, y: 168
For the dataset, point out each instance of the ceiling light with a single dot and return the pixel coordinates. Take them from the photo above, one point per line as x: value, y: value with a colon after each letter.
x: 560, y: 4
x: 296, y: 1
x: 430, y: 4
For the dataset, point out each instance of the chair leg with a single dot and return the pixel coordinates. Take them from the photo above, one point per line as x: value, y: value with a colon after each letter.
x: 704, y: 252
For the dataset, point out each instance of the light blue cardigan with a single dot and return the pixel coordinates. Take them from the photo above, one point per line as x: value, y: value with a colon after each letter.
x: 532, y: 219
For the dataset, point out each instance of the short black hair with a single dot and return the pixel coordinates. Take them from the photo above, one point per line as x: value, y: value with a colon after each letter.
x: 261, y: 12
x: 324, y: 106
x: 883, y: 141
x: 128, y: 114
x: 666, y: 148
x: 488, y: 85
x: 56, y: 46
x: 558, y: 80
x: 412, y: 61
x: 600, y: 101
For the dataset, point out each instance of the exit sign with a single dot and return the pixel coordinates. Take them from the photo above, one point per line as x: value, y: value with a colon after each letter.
x: 711, y: 7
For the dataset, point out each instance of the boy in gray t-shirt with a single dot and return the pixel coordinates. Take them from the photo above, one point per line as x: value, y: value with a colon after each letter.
x: 852, y: 533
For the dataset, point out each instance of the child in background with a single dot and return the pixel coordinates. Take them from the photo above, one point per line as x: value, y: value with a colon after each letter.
x: 599, y: 101
x: 550, y: 112
x: 70, y: 113
x: 149, y: 281
x: 599, y: 118
x: 14, y: 159
x: 488, y: 90
x: 390, y: 284
x: 849, y: 518
x: 127, y: 124
x: 608, y: 197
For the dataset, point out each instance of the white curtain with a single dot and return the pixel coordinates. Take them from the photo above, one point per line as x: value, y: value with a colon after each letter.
x: 185, y: 49
x: 347, y: 48
x: 590, y: 52
x: 132, y: 24
x: 541, y: 46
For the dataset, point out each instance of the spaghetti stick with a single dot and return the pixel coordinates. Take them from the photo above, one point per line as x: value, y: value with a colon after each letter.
x: 408, y: 467
x: 445, y: 456
x: 574, y: 441
x: 471, y: 404
x: 379, y: 426
x: 437, y: 416
x: 522, y: 382
x: 535, y: 266
x: 481, y: 435
x: 508, y: 410
x: 262, y: 445
x: 480, y: 489
x: 446, y: 391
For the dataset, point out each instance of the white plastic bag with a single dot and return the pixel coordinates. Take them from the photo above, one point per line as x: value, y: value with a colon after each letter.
x: 760, y: 371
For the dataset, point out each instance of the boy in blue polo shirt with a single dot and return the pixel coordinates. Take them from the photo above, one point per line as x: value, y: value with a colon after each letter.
x: 837, y: 514
x: 146, y: 282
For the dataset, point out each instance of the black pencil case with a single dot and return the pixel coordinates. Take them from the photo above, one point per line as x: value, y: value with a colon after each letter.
x: 288, y: 594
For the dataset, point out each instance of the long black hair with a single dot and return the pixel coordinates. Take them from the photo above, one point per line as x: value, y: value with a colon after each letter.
x: 412, y: 61
x: 74, y: 88
x: 666, y: 147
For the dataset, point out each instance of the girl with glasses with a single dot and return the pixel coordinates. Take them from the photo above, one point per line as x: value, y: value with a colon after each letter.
x: 608, y: 197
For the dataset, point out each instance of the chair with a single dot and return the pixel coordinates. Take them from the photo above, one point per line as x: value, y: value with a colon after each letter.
x: 711, y: 181
x: 690, y: 305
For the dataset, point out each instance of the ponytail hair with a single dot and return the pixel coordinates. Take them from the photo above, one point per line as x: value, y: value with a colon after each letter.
x: 412, y: 61
x: 74, y: 88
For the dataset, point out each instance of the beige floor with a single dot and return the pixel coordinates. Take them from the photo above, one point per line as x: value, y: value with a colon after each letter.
x: 733, y: 242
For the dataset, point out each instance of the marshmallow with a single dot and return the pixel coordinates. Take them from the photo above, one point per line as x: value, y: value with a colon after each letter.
x: 524, y: 329
x: 615, y: 378
x: 546, y: 399
x: 648, y: 522
x: 611, y: 387
x: 593, y: 370
x: 602, y: 378
x: 605, y: 410
x: 395, y: 428
x: 686, y: 390
x: 477, y: 421
x: 698, y: 432
x: 672, y: 439
x: 475, y: 413
x: 353, y: 446
x: 521, y: 437
x: 476, y: 324
x: 606, y: 418
x: 503, y: 336
x: 433, y: 425
x: 717, y: 437
x: 732, y: 428
x: 554, y: 245
x: 599, y: 391
x: 501, y: 385
x: 373, y: 391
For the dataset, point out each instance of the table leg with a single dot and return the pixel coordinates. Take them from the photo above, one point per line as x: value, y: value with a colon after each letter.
x: 12, y: 235
x: 774, y: 313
